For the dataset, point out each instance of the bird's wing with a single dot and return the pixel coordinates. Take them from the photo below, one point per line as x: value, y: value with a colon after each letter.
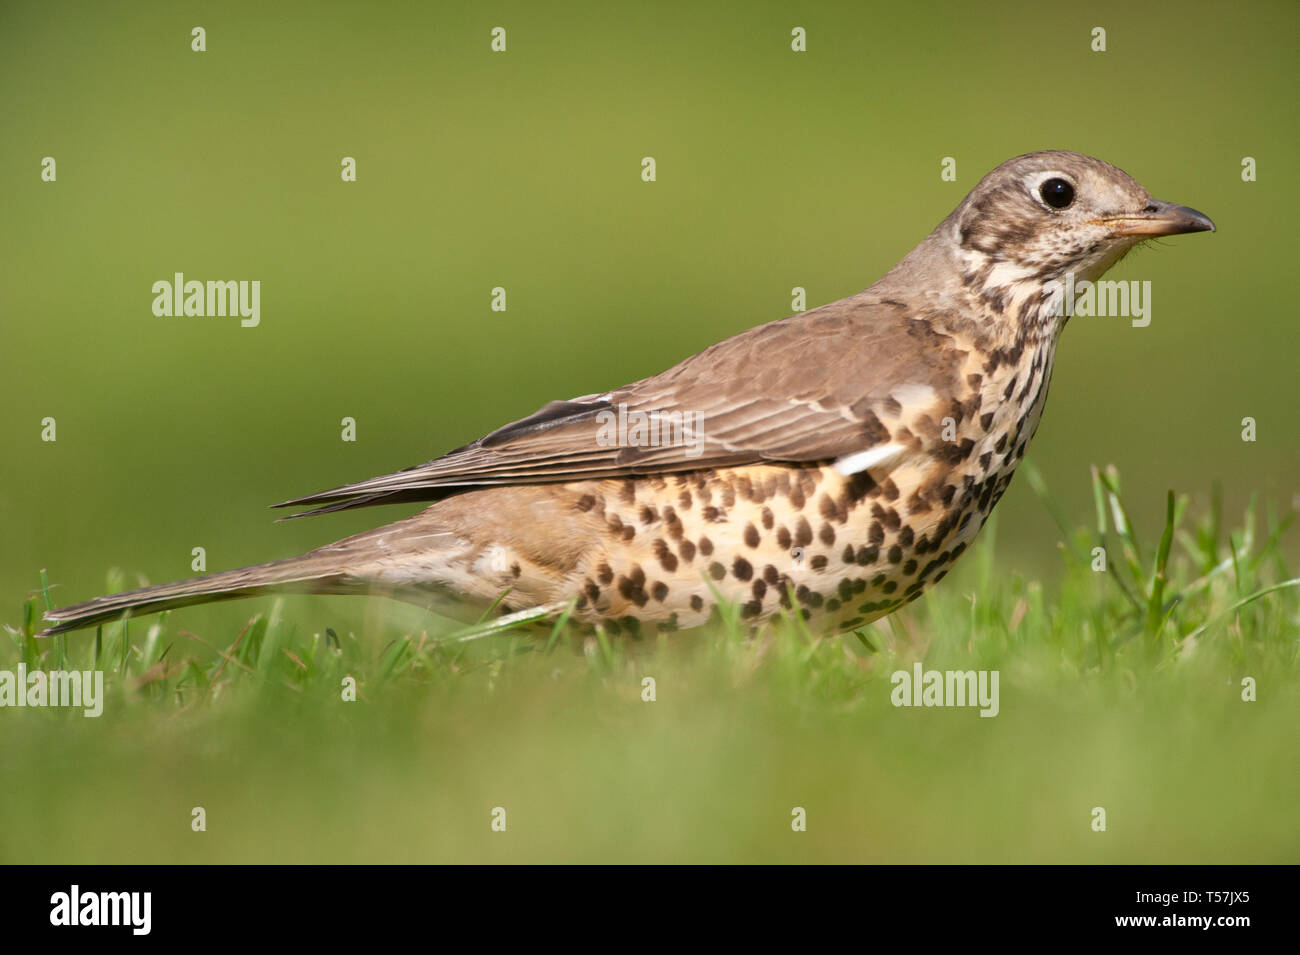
x: 807, y: 388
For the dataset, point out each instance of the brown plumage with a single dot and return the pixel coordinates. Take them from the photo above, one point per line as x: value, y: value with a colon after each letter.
x: 837, y: 461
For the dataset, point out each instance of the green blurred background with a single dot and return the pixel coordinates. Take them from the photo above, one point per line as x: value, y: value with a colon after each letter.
x: 522, y: 170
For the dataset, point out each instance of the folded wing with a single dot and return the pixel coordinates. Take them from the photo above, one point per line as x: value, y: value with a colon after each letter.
x: 803, y: 389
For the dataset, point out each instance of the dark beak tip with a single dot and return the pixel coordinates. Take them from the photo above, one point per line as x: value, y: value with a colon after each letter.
x: 1192, y: 220
x: 1203, y: 222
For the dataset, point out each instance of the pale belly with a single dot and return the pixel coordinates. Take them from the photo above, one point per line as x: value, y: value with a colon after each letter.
x: 658, y: 553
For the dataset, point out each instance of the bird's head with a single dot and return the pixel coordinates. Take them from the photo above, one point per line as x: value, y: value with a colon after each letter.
x: 1040, y: 216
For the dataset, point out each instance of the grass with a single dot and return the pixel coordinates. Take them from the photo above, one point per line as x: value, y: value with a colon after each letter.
x: 1121, y: 688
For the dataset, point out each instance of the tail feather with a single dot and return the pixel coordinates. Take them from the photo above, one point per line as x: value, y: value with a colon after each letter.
x: 308, y: 573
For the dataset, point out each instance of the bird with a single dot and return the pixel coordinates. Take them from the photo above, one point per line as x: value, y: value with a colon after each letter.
x: 833, y: 464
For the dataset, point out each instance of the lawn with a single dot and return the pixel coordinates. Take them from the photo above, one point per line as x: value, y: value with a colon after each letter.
x: 1125, y: 689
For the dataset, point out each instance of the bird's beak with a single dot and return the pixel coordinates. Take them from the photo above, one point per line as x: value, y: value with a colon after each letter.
x: 1160, y: 218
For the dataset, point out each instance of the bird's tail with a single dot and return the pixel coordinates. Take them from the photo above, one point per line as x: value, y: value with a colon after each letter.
x: 314, y: 572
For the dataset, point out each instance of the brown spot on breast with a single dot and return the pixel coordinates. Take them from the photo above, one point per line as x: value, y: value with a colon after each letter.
x: 859, y: 486
x: 687, y: 549
x: 585, y: 503
x: 717, y: 571
x: 751, y: 535
x: 742, y: 569
x: 667, y: 559
x: 807, y: 596
x: 706, y: 546
x: 803, y: 534
x: 632, y: 587
x: 955, y: 452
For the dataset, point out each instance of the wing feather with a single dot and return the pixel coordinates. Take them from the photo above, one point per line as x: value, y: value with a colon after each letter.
x: 803, y: 389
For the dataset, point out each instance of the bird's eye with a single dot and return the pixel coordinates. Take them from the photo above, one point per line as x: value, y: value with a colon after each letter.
x: 1057, y: 193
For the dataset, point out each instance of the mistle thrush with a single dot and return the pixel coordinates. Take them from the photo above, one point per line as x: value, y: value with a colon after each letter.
x: 834, y: 463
